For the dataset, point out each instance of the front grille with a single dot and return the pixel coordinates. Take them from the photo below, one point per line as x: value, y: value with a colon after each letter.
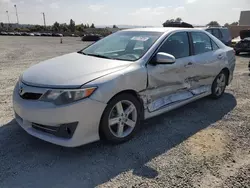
x: 31, y: 96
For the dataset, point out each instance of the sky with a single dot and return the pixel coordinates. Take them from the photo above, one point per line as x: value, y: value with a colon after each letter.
x: 123, y: 12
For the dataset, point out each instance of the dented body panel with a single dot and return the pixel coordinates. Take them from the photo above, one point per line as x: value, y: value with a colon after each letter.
x: 159, y: 87
x: 164, y: 87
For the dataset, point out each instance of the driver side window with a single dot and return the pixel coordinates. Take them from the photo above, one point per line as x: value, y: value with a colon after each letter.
x: 176, y: 45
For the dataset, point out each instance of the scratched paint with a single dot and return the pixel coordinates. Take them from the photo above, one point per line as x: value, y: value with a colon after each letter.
x: 155, y: 103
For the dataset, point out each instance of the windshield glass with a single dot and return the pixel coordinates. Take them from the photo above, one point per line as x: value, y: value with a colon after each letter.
x: 124, y: 45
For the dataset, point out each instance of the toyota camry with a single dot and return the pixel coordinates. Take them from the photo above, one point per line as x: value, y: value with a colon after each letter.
x: 105, y: 90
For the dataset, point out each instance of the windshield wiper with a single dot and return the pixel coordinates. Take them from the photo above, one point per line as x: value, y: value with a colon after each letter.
x: 98, y: 55
x: 81, y: 52
x: 95, y: 55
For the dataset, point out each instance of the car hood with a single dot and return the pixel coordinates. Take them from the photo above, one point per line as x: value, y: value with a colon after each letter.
x: 70, y: 71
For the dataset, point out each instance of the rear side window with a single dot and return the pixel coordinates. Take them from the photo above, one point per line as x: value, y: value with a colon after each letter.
x: 176, y: 45
x: 201, y: 43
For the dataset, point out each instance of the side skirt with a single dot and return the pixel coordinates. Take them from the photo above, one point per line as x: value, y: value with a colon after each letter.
x: 174, y: 105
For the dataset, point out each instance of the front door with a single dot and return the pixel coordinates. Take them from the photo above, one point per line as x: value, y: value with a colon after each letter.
x: 167, y: 83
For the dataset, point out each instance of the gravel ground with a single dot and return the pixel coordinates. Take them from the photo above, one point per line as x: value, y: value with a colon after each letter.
x: 203, y: 144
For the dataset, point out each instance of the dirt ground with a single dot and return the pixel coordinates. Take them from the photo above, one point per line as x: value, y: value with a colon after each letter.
x: 203, y: 144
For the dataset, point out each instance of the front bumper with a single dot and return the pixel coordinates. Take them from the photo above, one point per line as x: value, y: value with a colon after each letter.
x: 86, y: 113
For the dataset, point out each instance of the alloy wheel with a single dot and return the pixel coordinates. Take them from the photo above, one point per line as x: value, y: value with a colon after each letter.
x: 122, y: 118
x: 221, y: 84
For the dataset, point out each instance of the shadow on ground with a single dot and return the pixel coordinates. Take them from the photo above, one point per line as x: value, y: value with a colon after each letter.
x: 29, y: 162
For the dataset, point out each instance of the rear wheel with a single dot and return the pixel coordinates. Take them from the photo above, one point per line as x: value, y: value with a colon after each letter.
x: 219, y: 85
x: 121, y: 118
x: 237, y: 53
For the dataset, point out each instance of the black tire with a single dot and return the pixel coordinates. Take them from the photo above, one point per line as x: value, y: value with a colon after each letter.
x: 237, y: 53
x: 105, y: 131
x: 214, y: 94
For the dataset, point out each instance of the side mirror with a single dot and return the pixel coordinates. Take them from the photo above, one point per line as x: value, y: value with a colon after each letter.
x: 164, y: 58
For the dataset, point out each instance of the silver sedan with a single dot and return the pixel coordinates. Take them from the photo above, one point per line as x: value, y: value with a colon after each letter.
x: 106, y: 89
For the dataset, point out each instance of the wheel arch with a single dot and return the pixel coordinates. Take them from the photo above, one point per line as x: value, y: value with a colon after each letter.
x: 128, y: 91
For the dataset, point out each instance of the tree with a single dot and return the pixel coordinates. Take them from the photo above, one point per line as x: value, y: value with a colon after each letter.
x: 171, y: 20
x: 226, y: 25
x: 235, y: 23
x: 92, y: 26
x: 64, y: 27
x: 213, y: 24
x: 178, y: 20
x: 2, y: 24
x: 114, y: 26
x: 72, y: 26
x: 56, y: 27
x: 80, y: 28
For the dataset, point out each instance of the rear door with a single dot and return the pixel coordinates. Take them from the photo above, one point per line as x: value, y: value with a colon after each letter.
x: 206, y: 61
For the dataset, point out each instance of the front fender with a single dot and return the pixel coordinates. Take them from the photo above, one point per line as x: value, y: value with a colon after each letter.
x: 133, y: 78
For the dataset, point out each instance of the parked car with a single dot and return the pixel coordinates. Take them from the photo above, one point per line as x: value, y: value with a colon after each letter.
x: 37, y: 34
x: 235, y: 41
x: 74, y: 35
x: 3, y: 33
x: 11, y: 33
x: 31, y: 34
x: 222, y: 33
x: 57, y: 35
x: 46, y: 34
x: 91, y: 37
x: 244, y: 44
x: 24, y: 33
x: 17, y: 34
x: 106, y: 89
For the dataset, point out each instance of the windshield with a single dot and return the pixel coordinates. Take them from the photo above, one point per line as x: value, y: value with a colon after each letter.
x: 124, y: 45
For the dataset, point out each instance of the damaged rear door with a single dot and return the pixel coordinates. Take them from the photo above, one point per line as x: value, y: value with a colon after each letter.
x: 167, y: 83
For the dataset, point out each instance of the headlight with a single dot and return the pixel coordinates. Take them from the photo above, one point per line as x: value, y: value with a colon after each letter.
x: 61, y: 97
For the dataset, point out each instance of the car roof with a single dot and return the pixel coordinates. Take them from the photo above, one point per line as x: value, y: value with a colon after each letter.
x: 163, y: 29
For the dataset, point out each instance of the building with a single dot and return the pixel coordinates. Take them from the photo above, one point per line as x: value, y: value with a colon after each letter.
x: 244, y: 18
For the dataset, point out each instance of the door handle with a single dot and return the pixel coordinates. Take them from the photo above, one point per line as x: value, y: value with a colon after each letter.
x: 188, y: 65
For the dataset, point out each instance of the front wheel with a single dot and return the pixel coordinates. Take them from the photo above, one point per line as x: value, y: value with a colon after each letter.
x: 121, y: 118
x: 219, y: 85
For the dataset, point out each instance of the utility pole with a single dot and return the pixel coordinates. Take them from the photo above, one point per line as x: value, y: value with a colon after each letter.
x: 16, y: 15
x: 7, y: 12
x: 44, y: 20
